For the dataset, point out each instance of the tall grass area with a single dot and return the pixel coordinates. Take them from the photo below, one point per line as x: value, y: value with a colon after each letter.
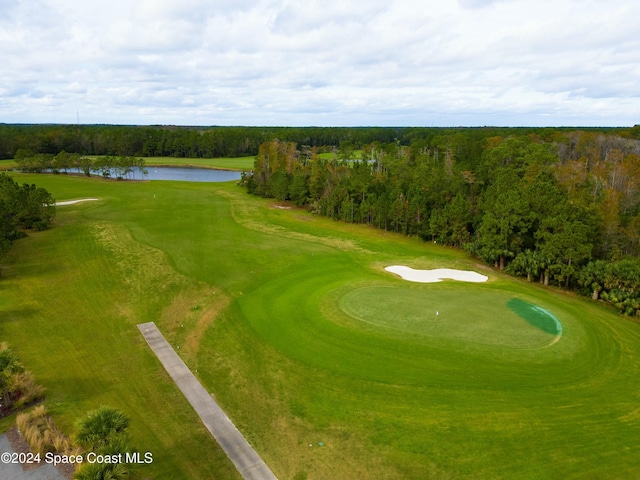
x: 41, y: 433
x: 270, y: 309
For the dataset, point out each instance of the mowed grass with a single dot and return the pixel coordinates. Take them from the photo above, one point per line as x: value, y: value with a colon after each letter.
x: 468, y: 314
x: 70, y: 299
x: 7, y: 164
x: 259, y: 298
x: 224, y: 163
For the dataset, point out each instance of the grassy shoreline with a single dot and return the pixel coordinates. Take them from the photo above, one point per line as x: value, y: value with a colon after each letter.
x: 234, y: 164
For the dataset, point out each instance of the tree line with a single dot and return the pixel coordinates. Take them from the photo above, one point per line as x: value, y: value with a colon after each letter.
x: 218, y: 141
x: 121, y: 167
x: 171, y: 141
x: 22, y: 207
x: 561, y: 210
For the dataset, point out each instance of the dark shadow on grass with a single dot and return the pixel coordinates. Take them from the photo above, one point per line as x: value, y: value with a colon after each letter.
x: 26, y: 270
x: 535, y: 316
x: 15, y: 315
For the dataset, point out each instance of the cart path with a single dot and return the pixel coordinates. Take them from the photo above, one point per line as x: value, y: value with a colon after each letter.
x: 243, y: 456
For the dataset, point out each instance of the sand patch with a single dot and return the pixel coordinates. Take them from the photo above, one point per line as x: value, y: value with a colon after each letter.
x: 71, y: 202
x: 436, y: 275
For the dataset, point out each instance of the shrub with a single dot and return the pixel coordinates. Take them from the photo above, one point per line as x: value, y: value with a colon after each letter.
x: 41, y: 433
x: 30, y: 391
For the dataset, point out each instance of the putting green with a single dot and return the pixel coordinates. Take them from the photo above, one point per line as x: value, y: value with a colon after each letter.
x: 483, y: 316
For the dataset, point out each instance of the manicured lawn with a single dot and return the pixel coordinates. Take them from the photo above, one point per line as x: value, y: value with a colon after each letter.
x: 7, y: 164
x: 459, y: 313
x: 235, y: 163
x: 225, y: 163
x: 330, y: 366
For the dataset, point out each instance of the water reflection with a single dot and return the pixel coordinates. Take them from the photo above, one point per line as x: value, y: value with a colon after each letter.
x: 188, y: 174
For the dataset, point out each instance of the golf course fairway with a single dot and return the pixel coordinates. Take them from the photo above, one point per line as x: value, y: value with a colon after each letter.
x: 330, y: 366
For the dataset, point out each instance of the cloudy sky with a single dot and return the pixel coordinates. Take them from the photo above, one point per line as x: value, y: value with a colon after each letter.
x: 321, y: 62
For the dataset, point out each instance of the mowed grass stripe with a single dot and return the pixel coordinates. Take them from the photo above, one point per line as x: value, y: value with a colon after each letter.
x: 230, y: 163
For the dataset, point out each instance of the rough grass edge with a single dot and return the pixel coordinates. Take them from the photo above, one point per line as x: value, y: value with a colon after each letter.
x: 41, y: 433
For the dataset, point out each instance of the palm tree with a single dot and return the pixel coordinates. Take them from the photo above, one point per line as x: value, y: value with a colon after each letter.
x: 101, y: 427
x: 104, y: 431
x: 104, y: 471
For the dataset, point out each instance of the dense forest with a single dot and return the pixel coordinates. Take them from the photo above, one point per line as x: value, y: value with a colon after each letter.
x: 208, y: 142
x: 563, y: 209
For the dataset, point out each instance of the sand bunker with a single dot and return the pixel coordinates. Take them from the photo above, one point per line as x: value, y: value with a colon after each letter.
x: 71, y: 202
x: 437, y: 275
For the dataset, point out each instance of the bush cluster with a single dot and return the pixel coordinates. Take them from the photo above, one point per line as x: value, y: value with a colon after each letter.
x: 41, y: 434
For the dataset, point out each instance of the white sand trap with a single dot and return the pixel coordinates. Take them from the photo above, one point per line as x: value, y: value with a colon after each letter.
x: 71, y: 202
x: 437, y: 275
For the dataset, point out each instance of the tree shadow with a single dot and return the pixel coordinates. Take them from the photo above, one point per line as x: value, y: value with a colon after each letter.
x: 535, y: 316
x: 15, y: 315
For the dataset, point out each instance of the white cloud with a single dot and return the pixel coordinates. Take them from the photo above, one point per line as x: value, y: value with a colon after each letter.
x: 469, y: 62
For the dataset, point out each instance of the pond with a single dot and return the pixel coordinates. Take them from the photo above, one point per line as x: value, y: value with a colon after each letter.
x: 188, y: 174
x: 174, y: 173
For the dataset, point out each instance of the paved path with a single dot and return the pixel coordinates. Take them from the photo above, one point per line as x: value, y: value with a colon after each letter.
x: 243, y: 456
x: 13, y: 471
